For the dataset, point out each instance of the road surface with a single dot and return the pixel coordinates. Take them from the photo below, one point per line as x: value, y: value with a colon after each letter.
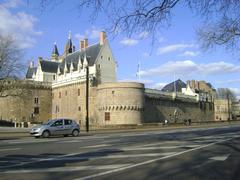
x: 201, y: 153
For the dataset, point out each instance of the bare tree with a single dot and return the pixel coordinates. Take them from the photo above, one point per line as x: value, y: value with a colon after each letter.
x: 226, y: 93
x: 221, y: 18
x: 11, y: 65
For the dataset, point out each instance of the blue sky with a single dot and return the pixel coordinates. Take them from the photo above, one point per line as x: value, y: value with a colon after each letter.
x: 175, y: 51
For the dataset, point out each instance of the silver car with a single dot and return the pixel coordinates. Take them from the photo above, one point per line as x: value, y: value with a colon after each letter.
x: 56, y: 127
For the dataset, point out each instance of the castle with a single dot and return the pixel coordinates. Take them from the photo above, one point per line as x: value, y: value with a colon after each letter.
x: 56, y: 88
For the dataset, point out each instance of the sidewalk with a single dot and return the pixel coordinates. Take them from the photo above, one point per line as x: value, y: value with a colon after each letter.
x: 16, y: 133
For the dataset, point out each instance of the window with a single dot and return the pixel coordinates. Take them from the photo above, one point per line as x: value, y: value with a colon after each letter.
x: 52, y: 95
x: 65, y: 93
x: 101, y: 57
x: 107, y: 116
x: 59, y: 94
x: 57, y: 109
x: 109, y: 58
x: 78, y: 92
x: 36, y: 110
x: 36, y: 100
x: 79, y: 108
x: 58, y: 123
x: 54, y: 77
x: 67, y: 121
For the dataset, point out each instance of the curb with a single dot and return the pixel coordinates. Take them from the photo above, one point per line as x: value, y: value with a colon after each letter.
x: 20, y: 133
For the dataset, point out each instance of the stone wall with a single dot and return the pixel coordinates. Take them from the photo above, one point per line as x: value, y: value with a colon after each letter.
x: 176, y: 109
x: 69, y: 101
x: 120, y: 103
x: 30, y: 102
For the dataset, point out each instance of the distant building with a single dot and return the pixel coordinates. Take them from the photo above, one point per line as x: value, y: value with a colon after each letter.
x: 223, y: 109
x: 175, y: 86
x: 204, y: 89
x: 236, y: 110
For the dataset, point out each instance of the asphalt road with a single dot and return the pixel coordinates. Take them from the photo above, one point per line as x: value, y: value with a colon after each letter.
x: 201, y: 153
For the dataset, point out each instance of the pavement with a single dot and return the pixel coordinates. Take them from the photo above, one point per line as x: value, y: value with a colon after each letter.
x: 181, y: 154
x: 15, y: 133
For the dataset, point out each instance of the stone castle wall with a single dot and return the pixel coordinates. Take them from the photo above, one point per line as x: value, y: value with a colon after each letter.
x: 69, y: 101
x: 109, y: 104
x: 120, y: 103
x: 30, y: 98
x: 176, y: 109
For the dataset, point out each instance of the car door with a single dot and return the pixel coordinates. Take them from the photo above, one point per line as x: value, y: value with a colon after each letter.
x: 57, y: 127
x: 68, y: 126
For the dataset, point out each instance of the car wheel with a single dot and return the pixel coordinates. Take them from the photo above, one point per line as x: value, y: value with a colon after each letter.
x: 45, y: 134
x: 75, y: 132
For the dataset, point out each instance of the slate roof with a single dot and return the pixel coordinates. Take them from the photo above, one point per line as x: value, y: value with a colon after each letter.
x: 170, y: 87
x: 49, y: 66
x: 91, y: 51
x: 55, y: 50
x: 30, y: 72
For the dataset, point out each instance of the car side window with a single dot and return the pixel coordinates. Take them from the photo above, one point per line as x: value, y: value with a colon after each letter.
x: 67, y: 121
x: 58, y: 123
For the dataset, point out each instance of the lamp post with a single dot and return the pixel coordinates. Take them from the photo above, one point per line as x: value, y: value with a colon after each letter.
x: 87, y: 92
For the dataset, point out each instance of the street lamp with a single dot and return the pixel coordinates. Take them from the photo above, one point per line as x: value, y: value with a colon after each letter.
x: 86, y: 65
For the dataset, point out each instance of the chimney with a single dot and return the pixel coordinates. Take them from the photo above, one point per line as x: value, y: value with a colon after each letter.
x: 102, y: 37
x: 81, y: 45
x: 85, y: 43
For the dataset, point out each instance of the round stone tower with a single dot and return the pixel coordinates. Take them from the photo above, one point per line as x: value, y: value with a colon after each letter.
x: 120, y: 103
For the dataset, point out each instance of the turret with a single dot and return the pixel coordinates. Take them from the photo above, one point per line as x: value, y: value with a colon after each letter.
x: 69, y: 46
x: 55, y: 54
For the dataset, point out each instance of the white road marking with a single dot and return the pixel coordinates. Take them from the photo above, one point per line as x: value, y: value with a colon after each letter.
x: 211, y: 160
x: 161, y: 147
x: 116, y: 156
x: 95, y: 146
x: 150, y: 161
x: 10, y: 149
x: 73, y: 141
x: 137, y: 155
x: 162, y: 143
x: 65, y: 169
x: 31, y: 141
x: 220, y: 158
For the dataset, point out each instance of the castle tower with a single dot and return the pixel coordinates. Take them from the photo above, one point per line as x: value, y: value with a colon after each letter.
x: 69, y: 46
x: 55, y: 54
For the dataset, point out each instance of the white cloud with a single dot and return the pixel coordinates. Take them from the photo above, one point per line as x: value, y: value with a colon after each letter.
x: 92, y: 33
x: 174, y: 47
x: 146, y: 55
x: 190, y: 53
x: 236, y: 91
x: 160, y: 39
x: 158, y: 85
x: 144, y: 81
x: 229, y: 81
x: 188, y: 68
x: 129, y: 42
x: 79, y: 36
x: 20, y: 25
x: 143, y: 35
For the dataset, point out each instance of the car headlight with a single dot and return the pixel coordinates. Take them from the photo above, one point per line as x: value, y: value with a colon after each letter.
x: 38, y: 129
